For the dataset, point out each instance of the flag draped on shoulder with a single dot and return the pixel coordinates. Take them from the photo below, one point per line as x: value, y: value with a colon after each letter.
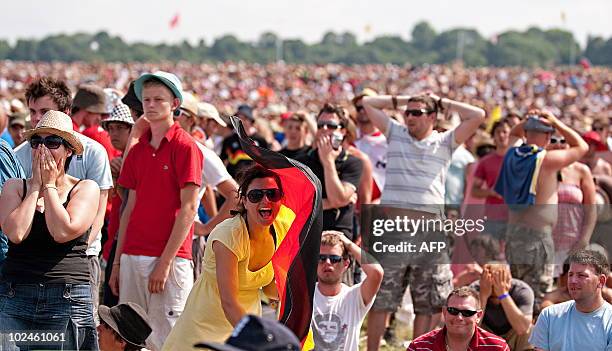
x: 296, y: 258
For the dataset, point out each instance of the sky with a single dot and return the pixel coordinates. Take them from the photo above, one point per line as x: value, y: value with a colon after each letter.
x: 148, y: 21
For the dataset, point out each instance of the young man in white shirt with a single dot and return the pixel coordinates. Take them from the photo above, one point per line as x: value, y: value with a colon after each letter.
x: 339, y: 310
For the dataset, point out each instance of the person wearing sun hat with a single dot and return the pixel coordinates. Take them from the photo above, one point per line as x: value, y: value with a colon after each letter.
x: 49, y: 217
x: 124, y: 327
x: 153, y: 262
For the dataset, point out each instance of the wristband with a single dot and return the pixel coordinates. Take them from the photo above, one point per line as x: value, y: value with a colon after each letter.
x: 49, y: 186
x: 503, y: 296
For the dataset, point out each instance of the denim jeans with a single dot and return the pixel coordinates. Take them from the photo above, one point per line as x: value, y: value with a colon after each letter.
x: 48, y: 316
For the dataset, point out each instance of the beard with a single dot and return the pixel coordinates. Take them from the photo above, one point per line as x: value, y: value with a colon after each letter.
x: 329, y: 279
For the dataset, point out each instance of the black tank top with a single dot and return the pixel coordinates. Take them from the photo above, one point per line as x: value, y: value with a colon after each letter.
x: 39, y: 259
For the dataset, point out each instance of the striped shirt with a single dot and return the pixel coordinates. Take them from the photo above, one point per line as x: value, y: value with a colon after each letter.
x: 416, y: 169
x: 482, y: 340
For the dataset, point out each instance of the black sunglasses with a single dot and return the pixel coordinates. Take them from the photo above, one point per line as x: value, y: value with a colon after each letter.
x: 329, y: 125
x: 598, y: 129
x: 51, y: 142
x: 256, y: 195
x: 455, y: 311
x: 554, y: 140
x: 418, y: 113
x: 333, y: 259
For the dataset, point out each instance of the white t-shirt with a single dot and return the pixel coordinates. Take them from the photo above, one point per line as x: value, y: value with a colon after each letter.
x: 213, y: 171
x: 336, y: 320
x: 375, y: 146
x: 92, y: 164
x: 562, y: 327
x: 417, y: 169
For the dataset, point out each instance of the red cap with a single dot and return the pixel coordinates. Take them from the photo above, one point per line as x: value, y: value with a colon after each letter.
x: 593, y: 137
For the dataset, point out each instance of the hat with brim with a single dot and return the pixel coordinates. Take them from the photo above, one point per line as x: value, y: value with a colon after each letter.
x: 133, y: 327
x: 60, y: 124
x: 594, y: 139
x: 206, y: 110
x: 536, y: 125
x: 168, y: 79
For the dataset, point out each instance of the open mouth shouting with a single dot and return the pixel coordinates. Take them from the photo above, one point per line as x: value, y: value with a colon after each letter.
x: 265, y: 213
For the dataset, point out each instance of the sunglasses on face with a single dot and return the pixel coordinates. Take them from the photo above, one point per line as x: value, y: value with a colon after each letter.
x: 256, y: 195
x: 554, y: 140
x: 329, y: 125
x: 333, y: 259
x: 417, y: 113
x: 455, y: 311
x: 51, y: 142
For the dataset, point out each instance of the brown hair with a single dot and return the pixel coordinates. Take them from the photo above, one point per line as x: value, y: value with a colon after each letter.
x: 465, y: 291
x: 591, y: 258
x: 430, y: 103
x: 56, y: 89
x: 334, y: 109
x: 247, y: 176
x: 498, y: 124
x: 330, y: 238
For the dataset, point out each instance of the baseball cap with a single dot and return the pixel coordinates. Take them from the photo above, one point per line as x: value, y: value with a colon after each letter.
x: 594, y: 138
x: 206, y: 110
x: 131, y: 100
x: 18, y: 118
x: 254, y: 333
x: 535, y: 124
x: 168, y: 79
x: 246, y: 111
x: 91, y: 98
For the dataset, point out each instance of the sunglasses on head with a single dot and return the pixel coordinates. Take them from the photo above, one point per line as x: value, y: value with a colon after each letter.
x: 555, y: 140
x: 51, y: 141
x: 417, y: 113
x: 455, y: 311
x: 333, y: 259
x: 256, y: 195
x: 329, y: 125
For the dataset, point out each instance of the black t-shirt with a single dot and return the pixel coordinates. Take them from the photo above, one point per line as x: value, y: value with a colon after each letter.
x: 234, y: 156
x: 295, y: 154
x: 349, y: 170
x: 494, y: 318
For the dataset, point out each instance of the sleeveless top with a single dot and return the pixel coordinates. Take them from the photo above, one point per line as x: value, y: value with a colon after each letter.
x: 39, y: 259
x: 570, y: 216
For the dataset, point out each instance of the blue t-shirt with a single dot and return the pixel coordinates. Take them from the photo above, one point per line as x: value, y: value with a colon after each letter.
x: 6, y: 136
x: 562, y: 327
x: 9, y: 168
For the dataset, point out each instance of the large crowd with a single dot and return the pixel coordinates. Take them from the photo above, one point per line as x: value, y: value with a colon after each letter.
x: 132, y: 217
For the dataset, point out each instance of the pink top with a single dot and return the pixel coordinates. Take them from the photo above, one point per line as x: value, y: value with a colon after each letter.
x: 570, y: 216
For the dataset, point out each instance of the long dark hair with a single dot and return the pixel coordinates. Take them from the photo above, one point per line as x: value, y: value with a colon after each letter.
x: 246, y: 176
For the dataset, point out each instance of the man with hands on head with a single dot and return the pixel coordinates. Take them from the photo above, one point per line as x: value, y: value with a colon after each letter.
x: 508, y: 305
x: 336, y: 303
x: 418, y: 159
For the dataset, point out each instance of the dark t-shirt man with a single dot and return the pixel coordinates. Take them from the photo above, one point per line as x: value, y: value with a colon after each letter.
x: 349, y: 170
x: 297, y: 153
x: 233, y: 155
x: 494, y: 318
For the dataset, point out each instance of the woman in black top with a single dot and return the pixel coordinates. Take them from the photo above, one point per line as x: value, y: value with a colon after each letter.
x: 45, y: 294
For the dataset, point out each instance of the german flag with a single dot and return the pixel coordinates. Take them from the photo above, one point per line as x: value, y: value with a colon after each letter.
x: 295, y: 261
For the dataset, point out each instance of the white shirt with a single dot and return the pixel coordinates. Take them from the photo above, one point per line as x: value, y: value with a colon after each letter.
x: 336, y: 320
x: 375, y: 146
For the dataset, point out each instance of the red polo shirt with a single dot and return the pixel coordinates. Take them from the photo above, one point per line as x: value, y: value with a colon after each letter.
x: 157, y: 176
x: 481, y: 341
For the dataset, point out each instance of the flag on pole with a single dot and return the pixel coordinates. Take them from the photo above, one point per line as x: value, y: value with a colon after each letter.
x: 296, y: 259
x: 174, y: 21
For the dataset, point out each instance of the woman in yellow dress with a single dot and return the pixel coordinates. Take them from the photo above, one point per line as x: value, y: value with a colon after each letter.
x: 236, y: 265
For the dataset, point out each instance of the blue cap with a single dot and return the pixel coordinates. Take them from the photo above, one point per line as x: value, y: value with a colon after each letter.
x: 168, y: 79
x: 535, y: 124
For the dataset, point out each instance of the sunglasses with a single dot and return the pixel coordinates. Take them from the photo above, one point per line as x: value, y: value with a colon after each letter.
x: 256, y: 195
x: 51, y: 142
x: 359, y: 108
x: 455, y: 311
x: 329, y: 125
x: 333, y: 259
x: 598, y: 129
x: 554, y: 140
x: 417, y: 113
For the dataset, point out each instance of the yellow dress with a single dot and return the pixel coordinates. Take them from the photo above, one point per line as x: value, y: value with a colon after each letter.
x: 203, y: 318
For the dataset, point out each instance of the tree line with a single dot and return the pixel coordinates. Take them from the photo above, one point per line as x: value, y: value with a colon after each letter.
x: 533, y: 47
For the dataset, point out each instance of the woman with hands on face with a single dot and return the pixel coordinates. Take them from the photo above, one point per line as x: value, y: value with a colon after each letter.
x: 47, y: 220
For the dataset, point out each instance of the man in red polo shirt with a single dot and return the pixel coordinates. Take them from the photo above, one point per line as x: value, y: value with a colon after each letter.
x: 163, y: 173
x: 461, y: 332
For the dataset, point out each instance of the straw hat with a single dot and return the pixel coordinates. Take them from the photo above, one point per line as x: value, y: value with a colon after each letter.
x: 60, y: 124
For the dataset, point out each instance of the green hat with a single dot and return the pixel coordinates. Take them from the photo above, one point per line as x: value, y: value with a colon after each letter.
x: 168, y: 79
